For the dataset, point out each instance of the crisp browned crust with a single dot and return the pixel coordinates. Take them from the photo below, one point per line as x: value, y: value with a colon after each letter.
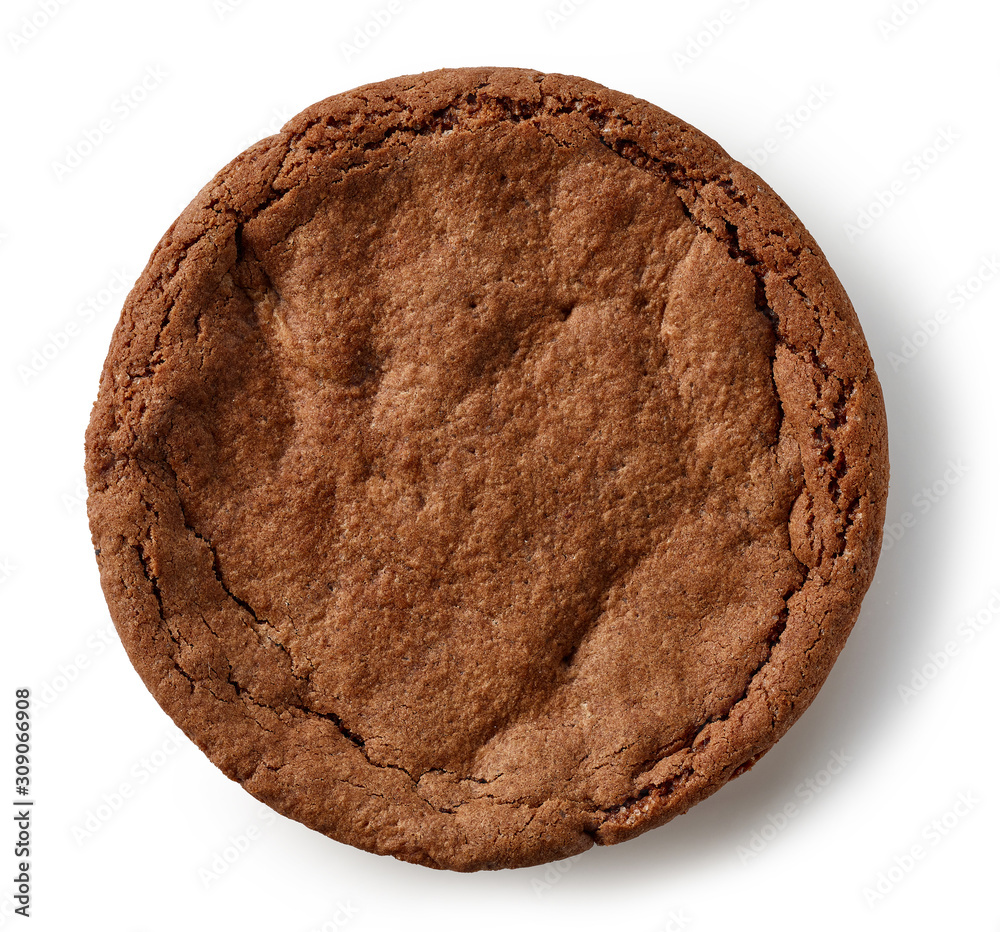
x: 484, y: 466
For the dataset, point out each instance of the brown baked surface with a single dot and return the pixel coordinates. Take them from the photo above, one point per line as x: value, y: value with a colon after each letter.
x: 486, y: 466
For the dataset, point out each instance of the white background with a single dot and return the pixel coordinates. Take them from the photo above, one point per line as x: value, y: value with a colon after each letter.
x: 135, y: 830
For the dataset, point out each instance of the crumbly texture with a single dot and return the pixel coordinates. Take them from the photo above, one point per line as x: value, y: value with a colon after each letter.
x: 486, y: 466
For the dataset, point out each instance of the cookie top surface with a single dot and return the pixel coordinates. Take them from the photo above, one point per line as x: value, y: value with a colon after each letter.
x: 484, y: 466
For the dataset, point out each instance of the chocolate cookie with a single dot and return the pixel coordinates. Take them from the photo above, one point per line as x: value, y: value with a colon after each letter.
x: 486, y: 466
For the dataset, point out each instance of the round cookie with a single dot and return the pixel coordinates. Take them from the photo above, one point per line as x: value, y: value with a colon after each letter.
x: 485, y: 466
